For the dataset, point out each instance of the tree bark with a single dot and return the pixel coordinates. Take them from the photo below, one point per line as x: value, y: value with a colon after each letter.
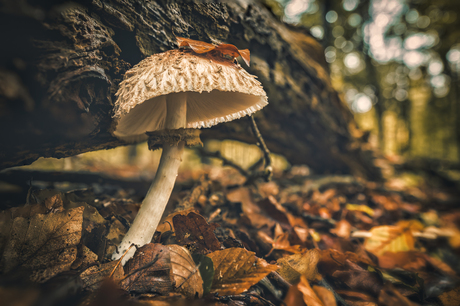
x: 61, y: 64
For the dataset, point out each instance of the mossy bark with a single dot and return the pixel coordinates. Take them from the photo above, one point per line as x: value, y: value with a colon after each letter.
x: 62, y: 62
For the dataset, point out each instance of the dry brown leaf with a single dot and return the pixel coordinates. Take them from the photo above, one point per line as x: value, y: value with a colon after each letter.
x: 250, y: 209
x: 274, y: 210
x: 390, y: 238
x: 94, y: 229
x: 389, y: 296
x: 149, y: 270
x: 93, y: 277
x: 294, y: 266
x: 326, y: 296
x: 116, y: 233
x: 413, y: 261
x: 309, y: 296
x: 156, y: 268
x: 43, y: 244
x: 332, y: 260
x: 236, y: 269
x: 167, y: 223
x: 451, y: 298
x: 357, y: 298
x: 342, y: 229
x: 294, y: 297
x: 359, y: 279
x: 282, y: 243
x: 193, y: 230
x: 186, y: 275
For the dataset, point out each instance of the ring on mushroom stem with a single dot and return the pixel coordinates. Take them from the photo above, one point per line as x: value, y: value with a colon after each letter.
x: 174, y: 90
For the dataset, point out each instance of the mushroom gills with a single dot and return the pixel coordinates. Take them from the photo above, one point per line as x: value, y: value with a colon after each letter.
x: 202, y: 111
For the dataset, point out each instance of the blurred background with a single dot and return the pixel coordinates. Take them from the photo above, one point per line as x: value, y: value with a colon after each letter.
x: 396, y: 65
x: 394, y: 62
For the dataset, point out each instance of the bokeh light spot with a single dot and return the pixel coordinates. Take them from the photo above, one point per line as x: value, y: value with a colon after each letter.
x: 362, y: 103
x: 354, y: 20
x: 331, y: 16
x: 349, y: 5
x: 435, y: 67
x: 317, y: 31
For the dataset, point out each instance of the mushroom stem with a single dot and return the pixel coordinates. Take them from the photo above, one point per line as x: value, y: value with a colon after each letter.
x: 147, y: 219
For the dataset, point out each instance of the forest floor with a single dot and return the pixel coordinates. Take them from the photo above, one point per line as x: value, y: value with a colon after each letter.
x: 296, y: 240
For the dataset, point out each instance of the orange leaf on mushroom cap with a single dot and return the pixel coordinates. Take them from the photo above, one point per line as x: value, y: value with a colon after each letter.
x: 221, y: 50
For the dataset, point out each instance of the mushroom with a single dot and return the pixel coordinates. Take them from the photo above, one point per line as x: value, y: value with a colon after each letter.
x: 172, y: 92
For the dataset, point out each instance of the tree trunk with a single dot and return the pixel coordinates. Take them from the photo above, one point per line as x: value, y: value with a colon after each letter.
x: 61, y: 64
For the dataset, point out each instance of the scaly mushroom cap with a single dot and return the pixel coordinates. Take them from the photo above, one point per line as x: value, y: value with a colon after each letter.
x: 216, y: 92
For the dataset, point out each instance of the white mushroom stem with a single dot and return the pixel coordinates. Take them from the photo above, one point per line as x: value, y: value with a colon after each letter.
x: 154, y: 204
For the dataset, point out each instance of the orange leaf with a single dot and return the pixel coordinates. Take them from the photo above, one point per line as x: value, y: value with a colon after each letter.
x: 390, y: 238
x: 196, y: 45
x: 326, y: 296
x: 236, y: 269
x: 309, y: 296
x: 221, y: 51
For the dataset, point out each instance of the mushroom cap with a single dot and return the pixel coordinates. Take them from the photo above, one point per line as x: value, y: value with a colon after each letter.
x: 216, y: 91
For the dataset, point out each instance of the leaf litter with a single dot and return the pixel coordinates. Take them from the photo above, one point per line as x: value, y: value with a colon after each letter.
x: 297, y: 240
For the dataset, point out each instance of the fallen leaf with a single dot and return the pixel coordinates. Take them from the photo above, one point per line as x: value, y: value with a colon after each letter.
x: 167, y: 222
x: 294, y: 297
x: 282, y: 243
x: 43, y: 244
x: 359, y: 279
x: 294, y: 266
x: 390, y: 238
x: 220, y: 51
x: 186, y: 274
x: 94, y: 230
x: 236, y: 269
x: 149, y: 271
x: 451, y: 298
x: 309, y: 296
x: 389, y: 296
x: 326, y: 296
x: 274, y: 210
x: 413, y: 225
x: 193, y: 230
x: 250, y: 209
x: 93, y: 277
x: 115, y: 234
x: 413, y: 261
x: 342, y: 229
x: 363, y: 208
x: 357, y: 298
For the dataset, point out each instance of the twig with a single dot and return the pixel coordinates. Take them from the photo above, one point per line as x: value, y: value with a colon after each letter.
x: 201, y: 188
x: 268, y: 169
x: 119, y: 261
x: 225, y: 161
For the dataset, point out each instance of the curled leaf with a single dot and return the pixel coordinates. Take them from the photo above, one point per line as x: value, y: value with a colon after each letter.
x: 217, y: 51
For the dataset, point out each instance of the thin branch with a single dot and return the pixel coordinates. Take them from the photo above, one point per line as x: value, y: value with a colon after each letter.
x: 268, y: 169
x: 225, y: 161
